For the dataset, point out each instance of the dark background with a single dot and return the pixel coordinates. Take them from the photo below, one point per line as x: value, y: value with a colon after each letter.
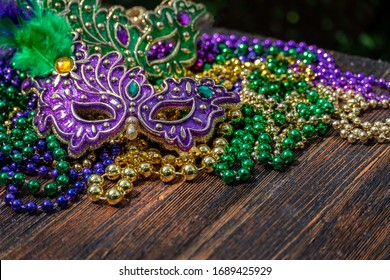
x: 358, y: 27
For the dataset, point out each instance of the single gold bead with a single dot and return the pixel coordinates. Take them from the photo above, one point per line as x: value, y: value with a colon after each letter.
x: 189, y: 171
x: 154, y: 157
x: 169, y: 159
x: 125, y: 185
x: 217, y: 152
x: 194, y: 152
x: 113, y: 172
x: 167, y: 173
x: 234, y: 115
x: 343, y: 133
x: 130, y: 174
x: 381, y: 138
x: 87, y: 163
x: 220, y: 142
x: 78, y: 167
x: 145, y: 169
x: 208, y: 163
x: 94, y: 192
x: 114, y: 196
x: 336, y: 124
x: 225, y: 128
x: 363, y: 136
x: 204, y: 149
x: 95, y: 179
x: 300, y: 145
x: 385, y: 103
x: 91, y: 156
x: 351, y: 138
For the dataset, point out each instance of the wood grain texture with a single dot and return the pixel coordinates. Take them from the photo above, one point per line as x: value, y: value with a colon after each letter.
x: 333, y: 203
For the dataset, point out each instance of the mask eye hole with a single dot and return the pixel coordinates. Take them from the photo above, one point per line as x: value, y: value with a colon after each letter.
x: 172, y: 113
x: 92, y: 112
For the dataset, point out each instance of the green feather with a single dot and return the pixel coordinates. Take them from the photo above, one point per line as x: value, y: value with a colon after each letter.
x: 39, y: 42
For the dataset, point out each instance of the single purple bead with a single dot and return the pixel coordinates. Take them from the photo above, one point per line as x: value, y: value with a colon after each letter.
x: 42, y: 171
x: 31, y: 208
x: 107, y: 162
x: 16, y: 205
x: 71, y: 194
x: 41, y: 145
x: 54, y: 173
x: 47, y: 206
x: 79, y: 186
x: 48, y: 157
x: 12, y: 189
x: 9, y: 197
x: 30, y: 168
x: 62, y: 202
x: 73, y: 174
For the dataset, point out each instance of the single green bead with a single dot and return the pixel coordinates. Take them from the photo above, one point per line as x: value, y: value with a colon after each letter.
x: 220, y: 59
x: 239, y: 133
x: 295, y: 135
x: 59, y: 154
x: 328, y: 107
x: 228, y: 176
x: 258, y: 119
x: 220, y: 167
x: 265, y: 138
x: 264, y: 157
x: 265, y: 147
x: 236, y: 142
x: 322, y: 128
x: 243, y: 48
x: 62, y: 181
x: 258, y: 128
x: 222, y: 46
x: 6, y: 149
x: 51, y: 189
x: 288, y: 156
x: 312, y: 96
x: 17, y: 158
x: 308, y: 131
x: 33, y: 186
x: 288, y: 143
x: 247, y: 147
x: 16, y: 133
x: 28, y: 151
x: 319, y: 112
x: 248, y: 121
x: 258, y: 49
x: 304, y: 113
x: 302, y: 87
x: 248, y: 163
x: 18, y: 179
x: 278, y: 163
x: 279, y: 118
x: 248, y: 138
x: 51, y: 138
x: 29, y: 138
x: 244, y: 174
x: 19, y: 144
x: 274, y: 50
x: 53, y: 145
x: 302, y: 106
x: 228, y: 159
x: 63, y: 167
x: 4, y: 138
x: 21, y: 123
x: 5, y: 179
x: 232, y: 150
x: 248, y: 129
x: 243, y: 155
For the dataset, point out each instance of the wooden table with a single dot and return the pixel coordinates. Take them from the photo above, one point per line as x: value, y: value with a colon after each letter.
x: 333, y: 203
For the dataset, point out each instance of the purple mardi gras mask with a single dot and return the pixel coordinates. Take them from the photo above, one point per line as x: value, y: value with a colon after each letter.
x: 100, y: 98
